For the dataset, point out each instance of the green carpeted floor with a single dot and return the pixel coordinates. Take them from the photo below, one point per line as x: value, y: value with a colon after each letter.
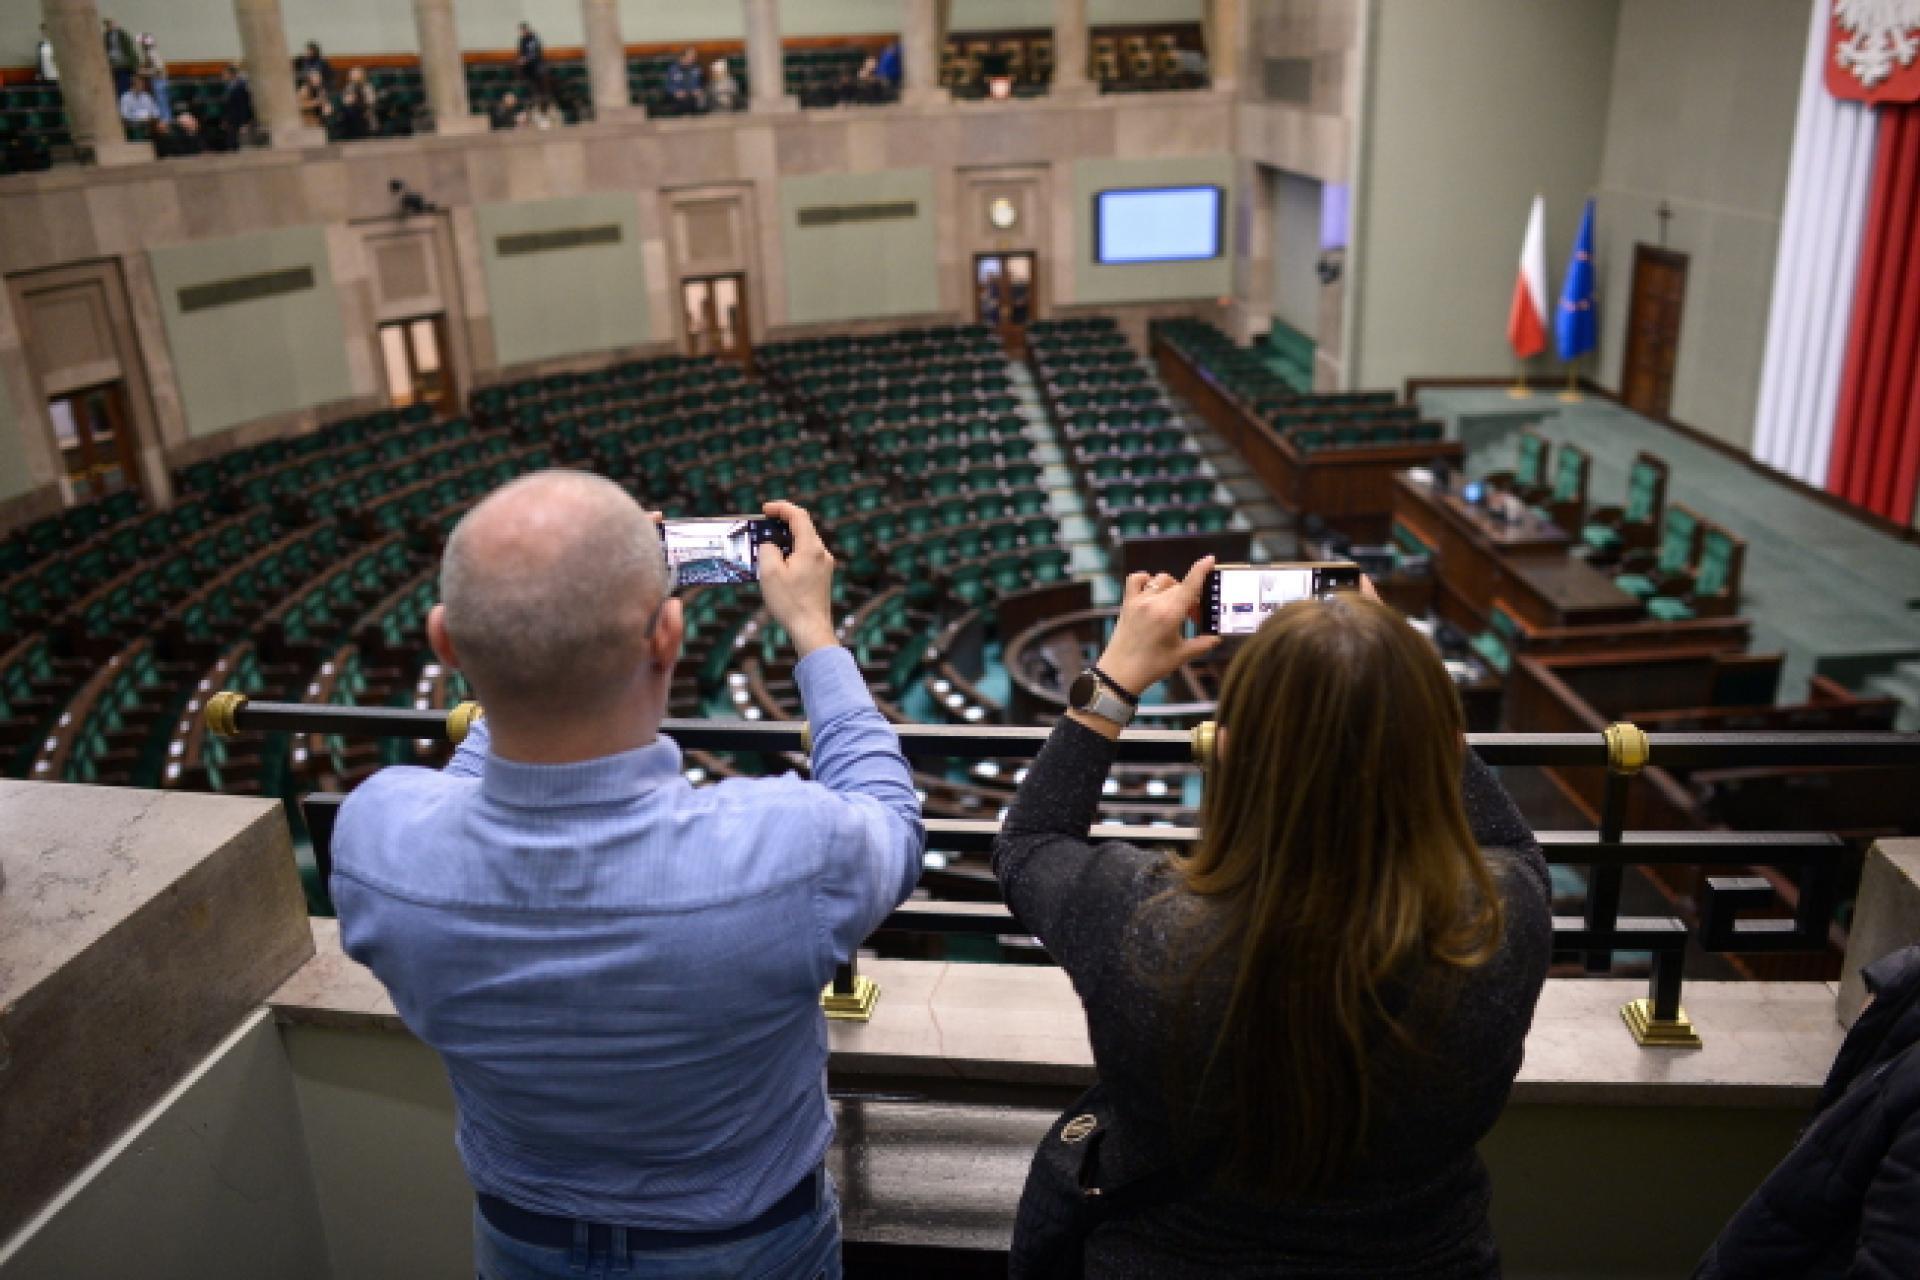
x: 1834, y: 595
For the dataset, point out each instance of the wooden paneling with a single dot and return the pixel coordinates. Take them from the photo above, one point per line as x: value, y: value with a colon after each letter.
x: 1351, y: 488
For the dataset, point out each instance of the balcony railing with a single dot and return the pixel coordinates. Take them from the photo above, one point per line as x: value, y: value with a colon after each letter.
x: 1658, y: 1019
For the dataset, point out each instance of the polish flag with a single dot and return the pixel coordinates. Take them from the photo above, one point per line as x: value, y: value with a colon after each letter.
x: 1527, y: 321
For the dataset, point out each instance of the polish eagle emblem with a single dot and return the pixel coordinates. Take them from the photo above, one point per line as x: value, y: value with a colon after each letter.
x: 1881, y: 36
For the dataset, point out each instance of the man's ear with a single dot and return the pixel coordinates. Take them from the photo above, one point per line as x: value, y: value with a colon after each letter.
x: 440, y: 639
x: 667, y: 635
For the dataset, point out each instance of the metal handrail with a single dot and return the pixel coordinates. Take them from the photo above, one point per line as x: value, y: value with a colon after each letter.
x: 1621, y: 749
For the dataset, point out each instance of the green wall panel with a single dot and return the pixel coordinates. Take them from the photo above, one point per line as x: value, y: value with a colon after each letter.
x: 856, y: 270
x: 1154, y: 281
x: 561, y: 301
x: 248, y: 359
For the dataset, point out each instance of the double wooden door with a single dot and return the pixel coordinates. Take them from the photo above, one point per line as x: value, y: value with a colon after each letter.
x: 1653, y: 330
x: 95, y: 436
x: 715, y: 310
x: 1003, y: 288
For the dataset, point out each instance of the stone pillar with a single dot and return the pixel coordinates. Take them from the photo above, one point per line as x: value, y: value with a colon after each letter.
x: 766, y: 59
x: 1224, y: 42
x: 606, y: 58
x: 86, y: 85
x: 441, y: 67
x: 1069, y: 48
x: 922, y: 32
x: 263, y: 52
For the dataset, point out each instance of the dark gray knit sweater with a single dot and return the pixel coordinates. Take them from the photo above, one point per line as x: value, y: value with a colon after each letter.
x: 1416, y: 1203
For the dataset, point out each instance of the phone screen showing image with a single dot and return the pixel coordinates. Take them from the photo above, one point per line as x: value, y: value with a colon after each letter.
x: 723, y: 549
x: 1241, y: 597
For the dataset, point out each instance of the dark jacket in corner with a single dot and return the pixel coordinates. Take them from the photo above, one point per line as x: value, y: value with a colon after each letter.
x: 1846, y: 1200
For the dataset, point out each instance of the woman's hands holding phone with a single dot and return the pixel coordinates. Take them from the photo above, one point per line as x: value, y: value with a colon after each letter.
x: 1148, y: 642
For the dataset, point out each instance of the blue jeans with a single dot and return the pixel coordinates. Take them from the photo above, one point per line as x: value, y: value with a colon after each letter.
x: 807, y: 1248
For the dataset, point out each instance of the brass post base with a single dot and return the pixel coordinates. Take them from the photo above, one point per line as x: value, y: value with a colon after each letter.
x: 1520, y: 391
x: 1649, y: 1033
x: 857, y: 1006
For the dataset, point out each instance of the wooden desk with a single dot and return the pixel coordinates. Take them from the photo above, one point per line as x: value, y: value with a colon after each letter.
x: 1350, y: 487
x: 1570, y: 592
x: 1524, y: 562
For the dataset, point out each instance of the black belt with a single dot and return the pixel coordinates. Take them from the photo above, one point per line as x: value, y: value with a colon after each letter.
x: 552, y: 1231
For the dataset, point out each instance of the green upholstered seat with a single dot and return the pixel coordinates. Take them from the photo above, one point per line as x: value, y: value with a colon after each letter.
x: 1669, y: 609
x: 1676, y: 550
x: 1570, y: 475
x: 1715, y: 571
x: 1530, y: 467
x: 1601, y: 537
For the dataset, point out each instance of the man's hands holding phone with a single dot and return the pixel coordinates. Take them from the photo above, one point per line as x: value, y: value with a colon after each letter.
x: 798, y: 588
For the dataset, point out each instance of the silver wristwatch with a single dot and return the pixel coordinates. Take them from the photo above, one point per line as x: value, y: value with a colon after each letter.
x: 1096, y: 694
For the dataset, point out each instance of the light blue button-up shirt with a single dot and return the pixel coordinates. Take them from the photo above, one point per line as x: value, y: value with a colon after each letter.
x: 623, y: 973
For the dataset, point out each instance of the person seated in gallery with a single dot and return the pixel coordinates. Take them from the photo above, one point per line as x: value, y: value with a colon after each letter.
x: 138, y: 105
x: 506, y: 113
x: 359, y: 106
x: 314, y: 99
x: 868, y: 84
x: 723, y: 91
x: 685, y: 93
x: 189, y: 139
x: 1303, y: 1028
x: 622, y: 973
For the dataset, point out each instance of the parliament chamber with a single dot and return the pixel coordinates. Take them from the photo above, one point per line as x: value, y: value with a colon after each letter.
x: 1015, y: 300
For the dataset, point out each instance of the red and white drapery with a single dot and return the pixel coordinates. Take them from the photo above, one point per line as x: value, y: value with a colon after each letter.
x: 1876, y: 432
x: 1839, y: 399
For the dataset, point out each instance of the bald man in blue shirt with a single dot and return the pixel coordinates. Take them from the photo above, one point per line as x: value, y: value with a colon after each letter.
x: 622, y: 973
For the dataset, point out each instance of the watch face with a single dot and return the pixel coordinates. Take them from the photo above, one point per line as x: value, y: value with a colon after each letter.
x: 1080, y: 694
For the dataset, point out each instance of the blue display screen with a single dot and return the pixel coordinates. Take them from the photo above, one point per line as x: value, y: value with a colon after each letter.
x: 1159, y: 224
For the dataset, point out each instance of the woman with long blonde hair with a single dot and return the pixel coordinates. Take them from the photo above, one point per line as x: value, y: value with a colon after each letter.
x: 1302, y: 1028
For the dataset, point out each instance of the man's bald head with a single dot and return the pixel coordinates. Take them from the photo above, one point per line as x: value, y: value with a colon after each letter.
x: 548, y: 585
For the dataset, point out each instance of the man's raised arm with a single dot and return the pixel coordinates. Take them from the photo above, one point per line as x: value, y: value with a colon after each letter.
x: 873, y: 856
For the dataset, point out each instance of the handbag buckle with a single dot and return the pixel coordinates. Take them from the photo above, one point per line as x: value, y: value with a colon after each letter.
x: 1078, y: 1128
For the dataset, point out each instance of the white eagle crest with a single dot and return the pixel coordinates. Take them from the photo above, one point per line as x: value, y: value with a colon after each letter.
x: 1881, y: 34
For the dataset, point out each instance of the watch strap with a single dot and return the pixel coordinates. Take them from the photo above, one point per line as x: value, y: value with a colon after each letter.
x: 1108, y: 704
x: 1132, y: 699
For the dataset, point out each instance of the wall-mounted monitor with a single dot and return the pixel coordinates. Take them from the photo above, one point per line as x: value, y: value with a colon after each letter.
x: 1157, y: 224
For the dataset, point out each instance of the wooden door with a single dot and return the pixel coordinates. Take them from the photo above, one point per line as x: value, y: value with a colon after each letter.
x: 414, y: 352
x: 1653, y: 330
x: 1003, y: 287
x: 715, y: 312
x: 95, y: 437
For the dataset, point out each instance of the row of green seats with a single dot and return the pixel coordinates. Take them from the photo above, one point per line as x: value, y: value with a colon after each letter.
x: 1141, y: 522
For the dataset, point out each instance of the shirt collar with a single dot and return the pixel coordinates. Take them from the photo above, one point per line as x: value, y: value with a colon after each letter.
x: 598, y: 781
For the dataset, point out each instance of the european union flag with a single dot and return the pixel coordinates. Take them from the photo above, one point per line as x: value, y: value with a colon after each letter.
x: 1573, y: 324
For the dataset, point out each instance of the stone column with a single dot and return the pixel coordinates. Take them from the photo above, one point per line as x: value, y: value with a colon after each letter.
x: 441, y: 67
x: 1224, y: 43
x: 766, y: 59
x: 606, y: 58
x: 1069, y: 48
x: 263, y: 51
x: 86, y: 85
x: 922, y: 32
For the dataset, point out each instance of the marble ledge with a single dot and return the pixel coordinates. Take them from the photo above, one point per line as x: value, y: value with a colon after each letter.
x: 1767, y: 1044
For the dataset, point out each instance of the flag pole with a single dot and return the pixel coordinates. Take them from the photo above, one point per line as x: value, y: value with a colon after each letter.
x: 1572, y: 394
x: 1520, y: 390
